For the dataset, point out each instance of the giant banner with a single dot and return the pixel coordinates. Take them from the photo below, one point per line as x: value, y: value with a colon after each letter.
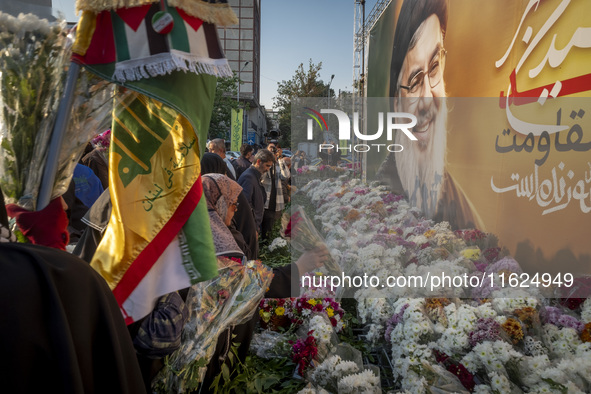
x: 501, y: 93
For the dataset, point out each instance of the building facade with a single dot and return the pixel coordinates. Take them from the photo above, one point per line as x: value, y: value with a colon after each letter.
x: 242, y: 46
x: 41, y: 8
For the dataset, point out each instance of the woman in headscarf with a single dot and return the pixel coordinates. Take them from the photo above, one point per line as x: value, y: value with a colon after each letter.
x: 243, y: 227
x: 221, y: 194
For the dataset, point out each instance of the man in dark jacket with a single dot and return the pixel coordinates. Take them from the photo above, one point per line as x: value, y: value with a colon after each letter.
x: 242, y: 163
x: 250, y: 180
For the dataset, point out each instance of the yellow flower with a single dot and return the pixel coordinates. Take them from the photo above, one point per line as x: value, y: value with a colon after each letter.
x: 429, y: 233
x: 471, y: 253
x: 261, y: 312
x: 312, y: 302
x: 266, y: 317
x: 513, y: 328
x: 330, y: 312
x: 280, y: 311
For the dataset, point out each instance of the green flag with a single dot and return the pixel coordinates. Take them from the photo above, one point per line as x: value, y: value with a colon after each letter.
x: 236, y: 136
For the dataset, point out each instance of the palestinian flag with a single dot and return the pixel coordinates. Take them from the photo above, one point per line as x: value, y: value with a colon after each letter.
x: 158, y: 239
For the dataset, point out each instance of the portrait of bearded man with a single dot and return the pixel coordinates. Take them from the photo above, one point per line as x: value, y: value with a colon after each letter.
x: 418, y: 87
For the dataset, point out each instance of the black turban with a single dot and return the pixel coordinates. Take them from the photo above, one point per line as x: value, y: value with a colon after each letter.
x: 412, y: 14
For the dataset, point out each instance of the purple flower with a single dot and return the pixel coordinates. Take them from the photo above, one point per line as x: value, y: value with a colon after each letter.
x: 555, y: 316
x: 485, y: 289
x: 407, y: 244
x: 393, y: 322
x: 390, y: 198
x: 487, y: 329
x: 505, y: 264
x: 480, y: 266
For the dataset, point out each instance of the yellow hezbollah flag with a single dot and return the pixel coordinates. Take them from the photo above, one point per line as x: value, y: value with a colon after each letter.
x: 159, y: 225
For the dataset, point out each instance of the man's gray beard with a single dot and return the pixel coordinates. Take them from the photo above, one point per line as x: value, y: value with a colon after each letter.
x: 421, y: 168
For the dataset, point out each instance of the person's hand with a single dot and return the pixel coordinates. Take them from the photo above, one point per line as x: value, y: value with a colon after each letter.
x: 313, y: 259
x: 6, y: 235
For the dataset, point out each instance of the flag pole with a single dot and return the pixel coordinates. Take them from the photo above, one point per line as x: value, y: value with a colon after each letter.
x: 57, y: 136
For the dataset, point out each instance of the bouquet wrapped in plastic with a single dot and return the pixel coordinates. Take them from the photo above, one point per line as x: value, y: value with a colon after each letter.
x: 34, y: 61
x: 215, y: 305
x: 32, y: 80
x: 344, y: 360
x: 303, y: 236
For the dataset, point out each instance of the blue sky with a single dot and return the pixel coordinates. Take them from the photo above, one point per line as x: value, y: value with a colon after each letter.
x: 292, y: 32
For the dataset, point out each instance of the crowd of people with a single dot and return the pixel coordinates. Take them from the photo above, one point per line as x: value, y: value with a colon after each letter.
x: 67, y: 325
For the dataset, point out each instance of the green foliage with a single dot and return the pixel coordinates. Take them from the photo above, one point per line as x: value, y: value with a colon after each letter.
x: 256, y: 375
x: 224, y: 102
x: 304, y: 83
x: 190, y: 373
x: 277, y: 258
x: 555, y: 386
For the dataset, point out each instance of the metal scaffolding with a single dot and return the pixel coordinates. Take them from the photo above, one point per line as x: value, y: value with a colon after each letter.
x: 361, y: 28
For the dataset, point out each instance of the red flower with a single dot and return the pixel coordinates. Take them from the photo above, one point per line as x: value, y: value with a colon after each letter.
x: 458, y: 369
x: 293, y: 222
x: 303, y: 352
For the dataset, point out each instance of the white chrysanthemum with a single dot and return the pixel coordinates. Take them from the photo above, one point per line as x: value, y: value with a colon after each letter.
x: 562, y: 342
x: 485, y: 311
x: 542, y: 388
x: 322, y: 330
x: 509, y: 299
x: 482, y: 389
x: 414, y: 383
x: 277, y: 243
x: 572, y: 388
x: 492, y: 356
x: 499, y: 382
x: 363, y: 382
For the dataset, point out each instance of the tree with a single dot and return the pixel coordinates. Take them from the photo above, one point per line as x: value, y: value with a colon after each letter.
x: 224, y: 102
x: 305, y: 83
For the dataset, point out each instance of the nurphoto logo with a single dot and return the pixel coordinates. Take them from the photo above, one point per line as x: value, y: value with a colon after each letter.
x: 402, y: 121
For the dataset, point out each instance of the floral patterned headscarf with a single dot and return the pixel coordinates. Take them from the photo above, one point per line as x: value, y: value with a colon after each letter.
x: 220, y: 191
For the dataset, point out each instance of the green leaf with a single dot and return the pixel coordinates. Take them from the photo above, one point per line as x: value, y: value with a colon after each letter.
x: 258, y: 385
x: 226, y: 372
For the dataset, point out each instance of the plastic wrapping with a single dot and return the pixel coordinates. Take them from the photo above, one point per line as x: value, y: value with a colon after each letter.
x: 304, y: 236
x: 270, y: 344
x: 320, y: 327
x: 33, y: 59
x: 215, y: 305
x: 32, y: 82
x: 342, y: 361
x: 91, y: 114
x: 441, y: 381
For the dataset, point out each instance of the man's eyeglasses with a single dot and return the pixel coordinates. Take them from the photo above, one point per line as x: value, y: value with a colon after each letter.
x: 235, y: 205
x: 434, y: 73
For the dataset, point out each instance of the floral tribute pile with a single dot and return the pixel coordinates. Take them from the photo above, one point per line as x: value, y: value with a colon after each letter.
x: 485, y: 339
x: 305, y: 329
x: 309, y: 173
